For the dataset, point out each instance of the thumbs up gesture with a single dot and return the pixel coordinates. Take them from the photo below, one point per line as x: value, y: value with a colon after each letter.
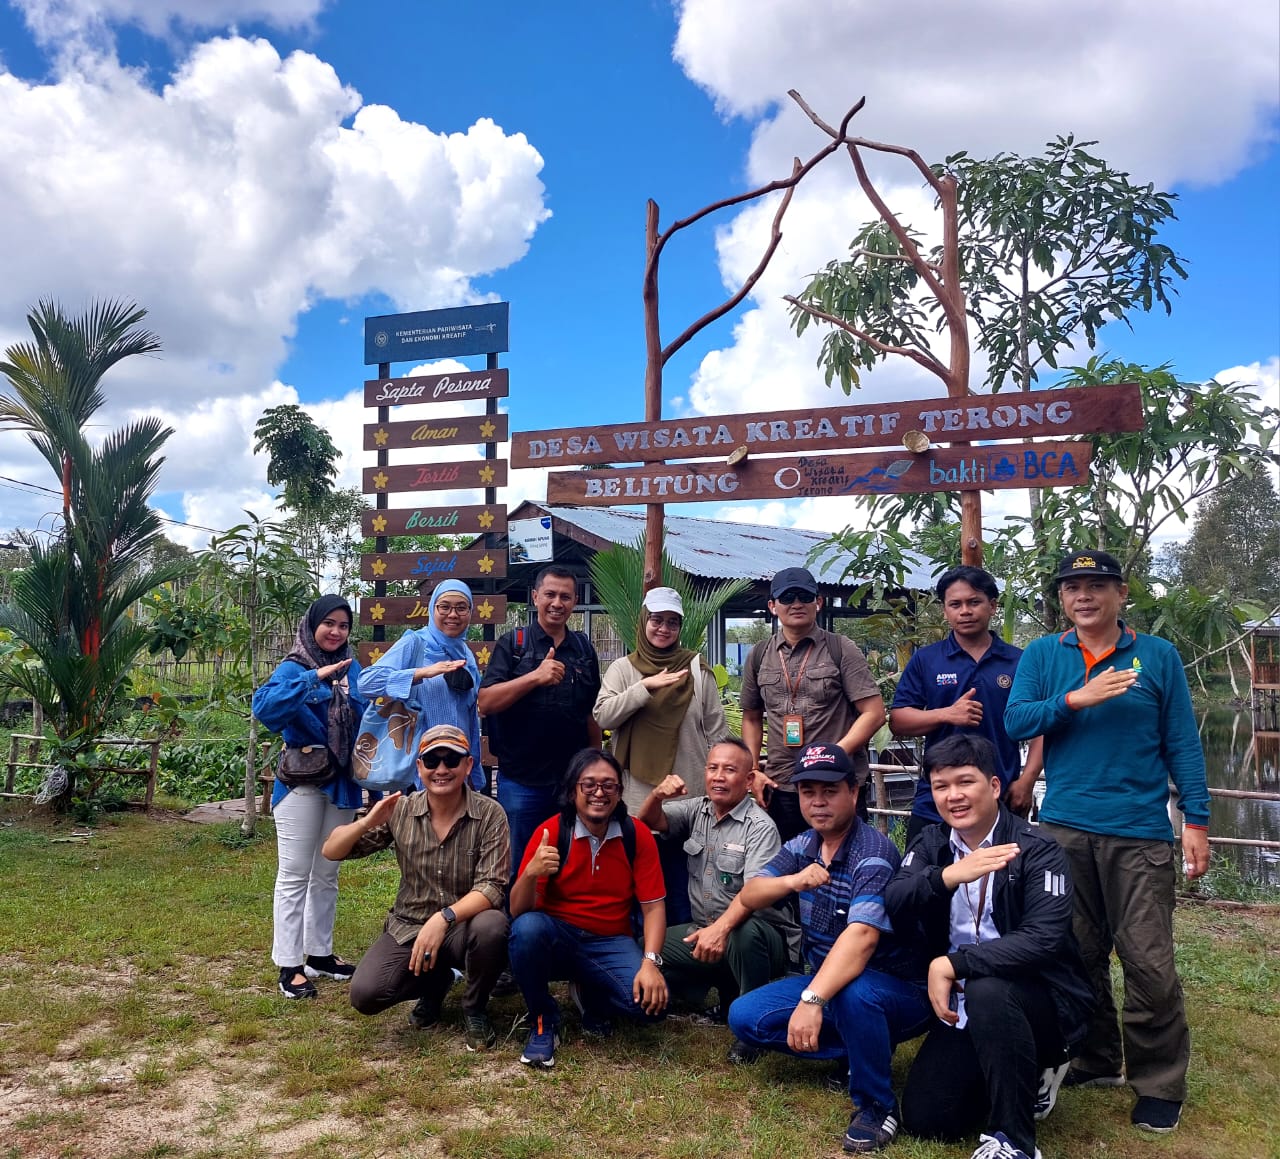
x: 546, y: 858
x: 967, y: 711
x: 550, y: 671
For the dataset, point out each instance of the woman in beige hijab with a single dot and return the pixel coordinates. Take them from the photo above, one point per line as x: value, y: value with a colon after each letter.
x: 661, y: 704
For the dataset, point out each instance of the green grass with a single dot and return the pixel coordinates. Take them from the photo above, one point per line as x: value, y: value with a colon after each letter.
x: 138, y: 1017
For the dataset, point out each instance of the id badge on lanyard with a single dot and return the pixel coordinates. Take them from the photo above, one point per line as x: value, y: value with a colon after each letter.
x: 793, y: 722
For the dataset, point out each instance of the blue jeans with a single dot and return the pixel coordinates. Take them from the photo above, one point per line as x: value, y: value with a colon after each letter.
x: 544, y: 949
x: 862, y: 1023
x: 526, y: 808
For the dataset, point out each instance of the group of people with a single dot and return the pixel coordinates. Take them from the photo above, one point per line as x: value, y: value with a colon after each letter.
x: 682, y: 860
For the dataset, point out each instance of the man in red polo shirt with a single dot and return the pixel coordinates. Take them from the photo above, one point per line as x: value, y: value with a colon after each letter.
x: 582, y: 872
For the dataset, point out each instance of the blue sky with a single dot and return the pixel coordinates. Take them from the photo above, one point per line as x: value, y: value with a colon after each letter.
x: 228, y: 177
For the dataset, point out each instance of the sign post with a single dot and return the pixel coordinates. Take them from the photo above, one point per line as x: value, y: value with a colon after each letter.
x: 422, y: 336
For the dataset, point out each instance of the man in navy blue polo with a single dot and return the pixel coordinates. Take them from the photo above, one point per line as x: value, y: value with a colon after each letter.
x: 961, y: 685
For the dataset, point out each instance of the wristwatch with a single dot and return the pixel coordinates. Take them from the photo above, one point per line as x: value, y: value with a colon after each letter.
x: 449, y: 916
x: 656, y: 959
x: 811, y: 998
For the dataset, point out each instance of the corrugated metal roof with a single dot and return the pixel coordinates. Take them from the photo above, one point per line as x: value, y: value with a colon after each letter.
x: 718, y: 550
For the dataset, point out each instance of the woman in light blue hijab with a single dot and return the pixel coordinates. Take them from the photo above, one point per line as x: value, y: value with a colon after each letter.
x: 433, y: 671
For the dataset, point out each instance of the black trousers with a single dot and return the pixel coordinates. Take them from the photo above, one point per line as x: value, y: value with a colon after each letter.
x: 985, y: 1077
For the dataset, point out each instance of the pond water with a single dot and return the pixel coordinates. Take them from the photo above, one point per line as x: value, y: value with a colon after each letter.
x: 1236, y: 759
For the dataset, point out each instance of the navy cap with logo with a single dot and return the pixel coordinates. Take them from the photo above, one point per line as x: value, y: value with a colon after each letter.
x: 823, y: 762
x: 1089, y: 563
x: 793, y: 579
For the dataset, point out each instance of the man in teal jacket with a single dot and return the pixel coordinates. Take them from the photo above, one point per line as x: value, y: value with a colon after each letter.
x: 1115, y: 712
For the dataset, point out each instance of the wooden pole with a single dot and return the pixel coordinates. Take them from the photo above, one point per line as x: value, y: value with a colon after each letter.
x: 654, y: 512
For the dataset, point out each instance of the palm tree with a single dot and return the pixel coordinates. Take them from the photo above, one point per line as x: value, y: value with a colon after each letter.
x: 71, y: 605
x: 617, y: 575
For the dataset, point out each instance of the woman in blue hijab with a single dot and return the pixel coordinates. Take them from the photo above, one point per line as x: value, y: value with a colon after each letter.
x: 433, y: 671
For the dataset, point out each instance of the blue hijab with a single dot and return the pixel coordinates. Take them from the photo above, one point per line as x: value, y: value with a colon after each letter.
x: 438, y: 646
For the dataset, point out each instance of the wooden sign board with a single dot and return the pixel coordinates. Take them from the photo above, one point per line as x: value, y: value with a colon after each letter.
x: 432, y: 566
x: 468, y: 429
x: 1000, y: 466
x: 460, y: 386
x: 1012, y: 415
x: 473, y: 520
x: 370, y: 651
x: 411, y: 610
x: 436, y: 476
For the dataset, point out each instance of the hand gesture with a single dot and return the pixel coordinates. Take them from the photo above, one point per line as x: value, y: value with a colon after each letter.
x: 1106, y: 685
x: 332, y: 671
x: 439, y: 668
x: 761, y: 786
x: 661, y: 680
x: 966, y: 712
x: 670, y: 787
x: 707, y: 944
x: 942, y: 984
x: 649, y: 988
x: 381, y: 811
x: 978, y: 864
x: 546, y: 858
x: 1195, y: 852
x: 812, y: 876
x: 550, y: 671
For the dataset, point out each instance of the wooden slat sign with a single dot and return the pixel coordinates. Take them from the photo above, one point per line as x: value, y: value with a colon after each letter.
x: 412, y: 610
x: 999, y: 466
x: 431, y: 566
x: 469, y: 429
x: 436, y: 476
x: 462, y: 520
x: 460, y: 386
x: 370, y: 651
x: 1078, y: 411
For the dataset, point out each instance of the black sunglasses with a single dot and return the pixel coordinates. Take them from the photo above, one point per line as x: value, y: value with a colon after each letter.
x: 446, y: 757
x: 795, y: 596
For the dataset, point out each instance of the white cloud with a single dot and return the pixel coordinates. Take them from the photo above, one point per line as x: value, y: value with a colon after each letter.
x: 228, y: 202
x: 1174, y: 89
x: 55, y: 22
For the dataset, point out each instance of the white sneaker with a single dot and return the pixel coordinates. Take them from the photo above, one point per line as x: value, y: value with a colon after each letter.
x: 1047, y: 1095
x: 997, y: 1146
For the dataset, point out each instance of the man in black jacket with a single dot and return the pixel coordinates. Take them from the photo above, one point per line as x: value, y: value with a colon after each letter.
x: 990, y: 898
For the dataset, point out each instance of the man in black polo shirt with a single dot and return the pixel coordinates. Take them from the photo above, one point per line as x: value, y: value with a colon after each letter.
x: 537, y: 693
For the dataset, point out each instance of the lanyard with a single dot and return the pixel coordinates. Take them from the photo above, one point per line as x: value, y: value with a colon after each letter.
x: 786, y: 676
x: 982, y: 905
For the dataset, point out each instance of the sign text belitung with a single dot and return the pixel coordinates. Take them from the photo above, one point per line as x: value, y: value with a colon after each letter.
x: 983, y: 468
x: 978, y: 418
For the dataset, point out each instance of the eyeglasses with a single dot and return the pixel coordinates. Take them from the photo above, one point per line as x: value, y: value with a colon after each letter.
x: 453, y: 609
x: 446, y: 757
x: 795, y: 596
x: 601, y: 788
x: 671, y: 624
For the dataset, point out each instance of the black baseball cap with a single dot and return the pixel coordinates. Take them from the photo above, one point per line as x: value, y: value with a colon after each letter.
x: 793, y: 579
x: 1083, y: 563
x: 823, y: 762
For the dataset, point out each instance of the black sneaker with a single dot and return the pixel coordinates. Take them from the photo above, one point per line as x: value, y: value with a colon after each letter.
x: 291, y: 989
x: 425, y: 1013
x: 1083, y: 1078
x: 330, y: 966
x: 480, y: 1034
x: 741, y: 1053
x: 716, y: 1015
x: 871, y: 1129
x: 592, y: 1026
x: 1157, y: 1115
x: 505, y: 986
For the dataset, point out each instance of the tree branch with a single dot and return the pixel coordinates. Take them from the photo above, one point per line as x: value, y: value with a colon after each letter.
x: 929, y: 361
x: 775, y: 238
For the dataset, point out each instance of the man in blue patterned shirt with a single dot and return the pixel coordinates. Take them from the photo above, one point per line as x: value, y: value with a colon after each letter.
x: 866, y: 992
